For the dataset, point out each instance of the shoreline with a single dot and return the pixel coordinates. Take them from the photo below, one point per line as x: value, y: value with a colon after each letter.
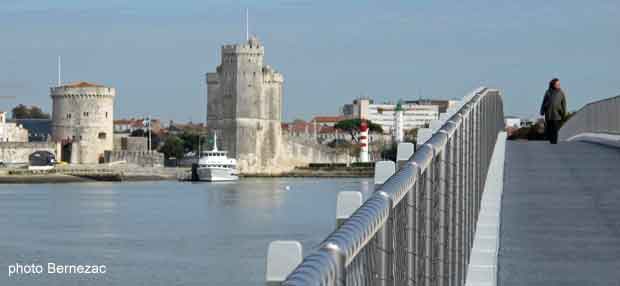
x: 83, y: 174
x: 60, y: 178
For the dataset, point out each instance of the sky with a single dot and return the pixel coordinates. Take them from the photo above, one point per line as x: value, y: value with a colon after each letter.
x: 330, y: 52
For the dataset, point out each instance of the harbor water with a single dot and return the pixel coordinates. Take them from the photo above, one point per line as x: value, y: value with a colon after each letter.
x: 162, y: 233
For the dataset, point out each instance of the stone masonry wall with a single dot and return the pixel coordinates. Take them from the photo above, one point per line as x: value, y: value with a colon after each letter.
x: 151, y: 159
x: 292, y: 153
x: 17, y: 153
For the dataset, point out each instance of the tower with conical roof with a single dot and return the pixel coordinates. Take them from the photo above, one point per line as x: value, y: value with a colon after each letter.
x: 244, y: 105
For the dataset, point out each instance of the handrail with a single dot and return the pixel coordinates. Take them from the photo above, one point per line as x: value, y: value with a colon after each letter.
x: 601, y: 116
x: 418, y: 226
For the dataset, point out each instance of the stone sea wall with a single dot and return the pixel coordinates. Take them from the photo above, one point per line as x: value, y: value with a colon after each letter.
x: 291, y: 154
x: 145, y: 158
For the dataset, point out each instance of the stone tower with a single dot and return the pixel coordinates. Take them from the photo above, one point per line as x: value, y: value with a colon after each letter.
x: 82, y: 121
x: 244, y: 106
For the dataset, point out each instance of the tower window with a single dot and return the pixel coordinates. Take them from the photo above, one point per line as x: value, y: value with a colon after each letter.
x: 106, y: 115
x: 102, y: 135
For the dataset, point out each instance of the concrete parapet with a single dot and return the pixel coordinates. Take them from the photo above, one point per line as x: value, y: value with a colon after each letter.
x: 482, y: 269
x: 601, y: 116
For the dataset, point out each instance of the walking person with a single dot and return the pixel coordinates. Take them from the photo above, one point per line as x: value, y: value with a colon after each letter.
x: 554, y: 110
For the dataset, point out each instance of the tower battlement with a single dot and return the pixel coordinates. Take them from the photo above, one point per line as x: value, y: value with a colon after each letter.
x: 252, y: 46
x: 242, y: 49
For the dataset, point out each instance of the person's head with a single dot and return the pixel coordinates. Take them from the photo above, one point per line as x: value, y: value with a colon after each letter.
x: 554, y: 84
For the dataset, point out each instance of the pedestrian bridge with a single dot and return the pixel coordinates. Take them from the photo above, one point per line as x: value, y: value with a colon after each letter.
x: 469, y: 208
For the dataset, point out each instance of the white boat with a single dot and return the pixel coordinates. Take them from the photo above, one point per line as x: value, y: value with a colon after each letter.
x: 215, y: 166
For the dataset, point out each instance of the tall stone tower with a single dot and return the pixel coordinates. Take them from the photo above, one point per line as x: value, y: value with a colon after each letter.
x: 244, y: 106
x: 82, y: 121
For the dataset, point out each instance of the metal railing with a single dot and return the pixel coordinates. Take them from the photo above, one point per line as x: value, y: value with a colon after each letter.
x: 601, y: 116
x: 418, y: 227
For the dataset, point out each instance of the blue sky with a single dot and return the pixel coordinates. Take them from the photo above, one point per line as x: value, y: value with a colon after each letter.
x: 330, y: 52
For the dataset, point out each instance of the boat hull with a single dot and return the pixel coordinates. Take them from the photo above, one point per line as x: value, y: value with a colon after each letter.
x: 216, y: 175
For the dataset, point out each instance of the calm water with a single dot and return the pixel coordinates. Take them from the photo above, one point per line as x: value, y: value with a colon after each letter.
x: 162, y: 233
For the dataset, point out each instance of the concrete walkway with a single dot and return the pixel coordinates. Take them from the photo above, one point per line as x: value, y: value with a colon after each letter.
x: 560, y: 215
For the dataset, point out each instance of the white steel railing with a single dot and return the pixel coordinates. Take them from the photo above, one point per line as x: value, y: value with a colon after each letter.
x: 418, y: 226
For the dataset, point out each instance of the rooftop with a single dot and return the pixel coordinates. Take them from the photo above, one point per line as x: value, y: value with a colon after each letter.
x: 330, y: 119
x: 82, y: 84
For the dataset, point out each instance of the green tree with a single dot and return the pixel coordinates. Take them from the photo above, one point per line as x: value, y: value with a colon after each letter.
x: 20, y: 111
x: 352, y: 126
x: 36, y: 112
x: 190, y: 141
x: 24, y: 112
x: 411, y: 135
x: 173, y: 147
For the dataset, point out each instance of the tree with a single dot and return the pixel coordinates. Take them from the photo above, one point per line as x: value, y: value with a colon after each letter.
x: 24, y: 112
x: 36, y: 112
x: 190, y: 141
x: 20, y: 111
x: 173, y: 147
x: 352, y: 126
x: 411, y: 135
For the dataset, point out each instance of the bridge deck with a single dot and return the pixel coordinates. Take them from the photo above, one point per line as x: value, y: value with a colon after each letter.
x: 560, y: 215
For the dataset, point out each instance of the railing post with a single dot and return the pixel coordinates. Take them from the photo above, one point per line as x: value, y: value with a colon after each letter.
x: 346, y: 204
x: 403, y: 154
x: 442, y: 180
x: 383, y: 171
x: 464, y: 198
x: 404, y: 151
x: 384, y: 250
x: 451, y: 206
x: 339, y: 258
x: 282, y: 258
x: 427, y: 237
x: 412, y: 228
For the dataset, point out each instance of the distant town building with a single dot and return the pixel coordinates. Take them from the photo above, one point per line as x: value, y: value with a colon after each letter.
x: 175, y: 128
x: 327, y: 120
x: 10, y: 131
x: 315, y: 133
x: 442, y: 104
x: 133, y: 124
x: 82, y: 120
x: 39, y: 130
x: 414, y: 115
x: 311, y: 132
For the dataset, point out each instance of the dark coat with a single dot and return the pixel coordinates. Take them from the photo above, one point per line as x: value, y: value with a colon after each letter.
x: 554, y: 105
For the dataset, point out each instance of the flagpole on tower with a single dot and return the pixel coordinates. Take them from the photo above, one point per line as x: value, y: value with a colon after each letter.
x: 247, y: 26
x: 59, y: 71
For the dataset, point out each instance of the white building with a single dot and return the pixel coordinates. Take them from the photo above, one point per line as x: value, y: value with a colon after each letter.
x: 11, y: 132
x: 414, y: 115
x: 512, y: 122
